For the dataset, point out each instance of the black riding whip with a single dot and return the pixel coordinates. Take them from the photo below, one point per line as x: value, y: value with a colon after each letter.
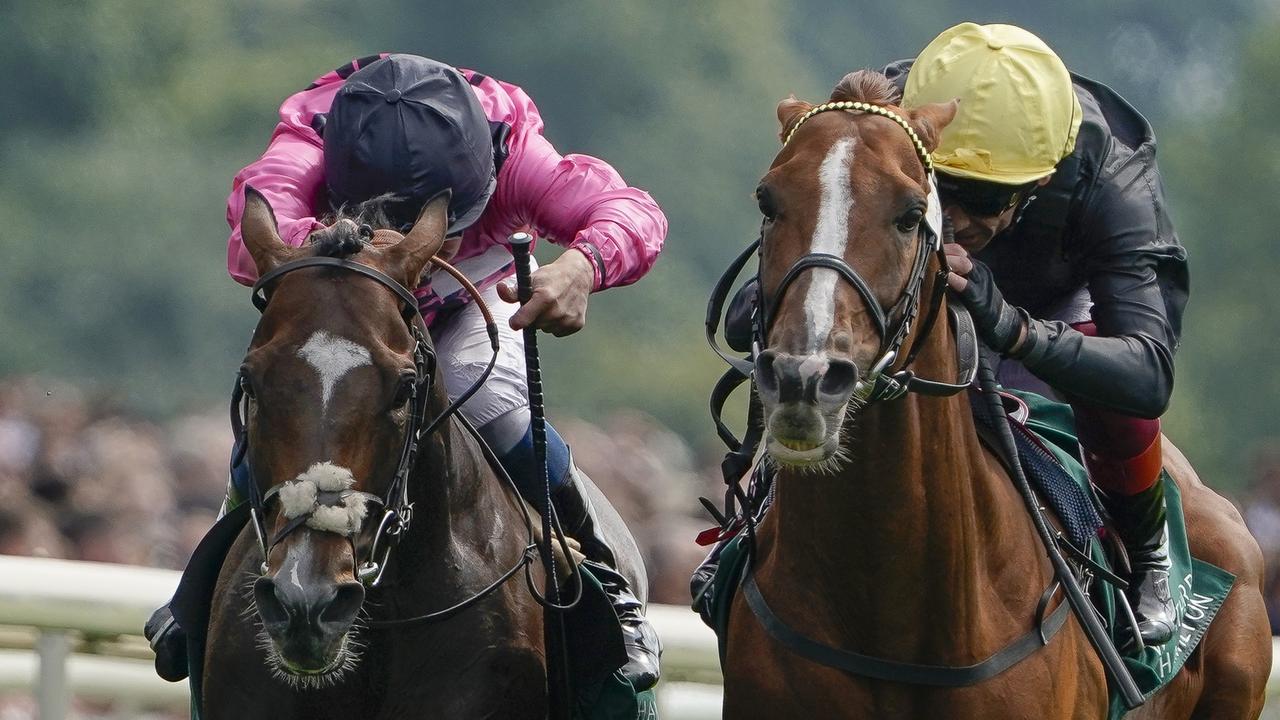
x: 1117, y: 673
x: 558, y: 680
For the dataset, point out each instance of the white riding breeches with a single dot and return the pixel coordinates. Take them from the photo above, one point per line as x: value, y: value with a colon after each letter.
x: 500, y: 408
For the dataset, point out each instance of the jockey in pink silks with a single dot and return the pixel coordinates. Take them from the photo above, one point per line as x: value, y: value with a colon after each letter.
x: 367, y: 145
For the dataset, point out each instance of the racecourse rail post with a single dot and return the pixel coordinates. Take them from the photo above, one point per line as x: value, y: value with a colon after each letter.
x: 53, y: 648
x: 558, y: 681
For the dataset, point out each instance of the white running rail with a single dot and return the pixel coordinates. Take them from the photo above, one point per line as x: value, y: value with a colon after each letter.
x: 73, y: 629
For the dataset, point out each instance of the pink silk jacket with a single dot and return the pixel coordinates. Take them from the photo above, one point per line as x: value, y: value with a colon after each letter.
x: 576, y: 201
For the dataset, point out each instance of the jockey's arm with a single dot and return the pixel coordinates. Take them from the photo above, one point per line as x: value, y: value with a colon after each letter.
x: 289, y: 174
x: 613, y: 232
x: 1137, y: 279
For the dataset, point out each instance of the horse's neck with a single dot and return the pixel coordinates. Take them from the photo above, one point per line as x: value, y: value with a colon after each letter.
x: 458, y: 505
x: 915, y: 536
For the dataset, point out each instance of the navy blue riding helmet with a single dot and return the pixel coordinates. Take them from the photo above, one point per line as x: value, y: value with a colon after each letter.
x: 412, y: 127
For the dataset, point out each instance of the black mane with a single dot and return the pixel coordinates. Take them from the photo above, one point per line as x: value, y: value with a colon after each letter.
x: 342, y: 240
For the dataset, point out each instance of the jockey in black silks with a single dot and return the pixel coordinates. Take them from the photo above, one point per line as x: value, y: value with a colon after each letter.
x: 1065, y: 255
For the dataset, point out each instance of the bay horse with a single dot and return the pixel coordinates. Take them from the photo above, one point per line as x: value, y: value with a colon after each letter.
x: 893, y: 531
x: 339, y: 379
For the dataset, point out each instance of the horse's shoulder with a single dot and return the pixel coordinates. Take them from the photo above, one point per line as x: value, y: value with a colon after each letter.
x: 1215, y: 529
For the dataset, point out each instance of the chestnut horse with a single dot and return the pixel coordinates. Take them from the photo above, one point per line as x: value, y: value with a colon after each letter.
x: 340, y: 383
x: 893, y: 532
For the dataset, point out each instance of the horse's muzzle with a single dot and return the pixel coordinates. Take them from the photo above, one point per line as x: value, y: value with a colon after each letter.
x: 307, y: 624
x: 804, y: 399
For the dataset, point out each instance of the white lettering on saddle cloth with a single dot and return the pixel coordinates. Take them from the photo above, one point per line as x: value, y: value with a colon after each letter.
x: 302, y: 497
x: 1191, y: 608
x: 332, y: 357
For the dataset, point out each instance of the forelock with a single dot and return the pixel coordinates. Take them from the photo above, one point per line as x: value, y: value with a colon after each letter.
x: 866, y: 86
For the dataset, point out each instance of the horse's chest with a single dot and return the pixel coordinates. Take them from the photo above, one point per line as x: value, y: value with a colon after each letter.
x: 765, y: 680
x: 442, y: 680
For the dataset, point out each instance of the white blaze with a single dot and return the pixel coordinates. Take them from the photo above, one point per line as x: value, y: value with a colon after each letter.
x: 830, y: 236
x: 332, y: 357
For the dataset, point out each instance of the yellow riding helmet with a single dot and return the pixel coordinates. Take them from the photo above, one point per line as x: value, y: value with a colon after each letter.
x: 1018, y: 114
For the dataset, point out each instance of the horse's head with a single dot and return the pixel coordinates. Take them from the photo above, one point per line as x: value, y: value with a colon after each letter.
x: 843, y: 204
x: 330, y: 378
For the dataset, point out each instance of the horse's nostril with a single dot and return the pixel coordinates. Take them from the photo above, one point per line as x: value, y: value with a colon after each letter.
x: 766, y: 377
x: 344, y: 606
x: 270, y: 607
x: 839, y: 378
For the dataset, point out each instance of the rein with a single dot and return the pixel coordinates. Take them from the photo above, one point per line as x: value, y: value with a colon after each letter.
x: 397, y: 508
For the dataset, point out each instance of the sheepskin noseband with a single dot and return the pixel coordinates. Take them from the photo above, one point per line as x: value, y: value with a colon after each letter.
x: 323, y: 493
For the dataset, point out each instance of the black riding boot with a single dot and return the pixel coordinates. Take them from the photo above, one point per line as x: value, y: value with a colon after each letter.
x: 1142, y: 525
x: 169, y: 643
x: 167, y: 639
x: 701, y: 587
x: 578, y: 519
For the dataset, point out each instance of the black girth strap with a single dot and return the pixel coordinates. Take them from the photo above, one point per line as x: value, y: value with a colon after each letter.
x: 896, y: 671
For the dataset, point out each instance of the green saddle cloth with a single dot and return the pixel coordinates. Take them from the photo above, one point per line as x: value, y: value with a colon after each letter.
x: 1198, y: 588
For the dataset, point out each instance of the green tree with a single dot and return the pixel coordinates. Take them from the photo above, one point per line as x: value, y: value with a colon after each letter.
x: 1222, y: 167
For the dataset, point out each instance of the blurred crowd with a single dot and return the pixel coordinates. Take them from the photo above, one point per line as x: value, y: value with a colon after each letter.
x: 83, y: 480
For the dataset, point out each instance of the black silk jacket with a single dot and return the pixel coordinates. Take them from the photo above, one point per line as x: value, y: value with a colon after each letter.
x: 1102, y: 223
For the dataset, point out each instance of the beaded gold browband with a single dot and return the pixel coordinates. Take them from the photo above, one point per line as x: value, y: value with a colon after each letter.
x: 874, y: 110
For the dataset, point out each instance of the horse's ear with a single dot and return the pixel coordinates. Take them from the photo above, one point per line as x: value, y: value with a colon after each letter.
x: 410, y: 256
x: 789, y: 111
x: 260, y: 233
x: 930, y: 119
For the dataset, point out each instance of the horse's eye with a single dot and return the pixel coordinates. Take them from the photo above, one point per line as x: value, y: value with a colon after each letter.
x: 910, y: 220
x: 404, y: 391
x: 246, y: 386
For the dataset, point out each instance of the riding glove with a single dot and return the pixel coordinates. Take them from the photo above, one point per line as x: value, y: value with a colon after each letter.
x: 1129, y: 372
x: 998, y: 323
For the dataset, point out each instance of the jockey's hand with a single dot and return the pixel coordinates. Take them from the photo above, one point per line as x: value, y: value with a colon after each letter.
x: 1001, y: 326
x: 559, y: 301
x: 959, y: 263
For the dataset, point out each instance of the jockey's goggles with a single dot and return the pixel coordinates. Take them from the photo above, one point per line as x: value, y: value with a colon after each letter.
x: 981, y: 199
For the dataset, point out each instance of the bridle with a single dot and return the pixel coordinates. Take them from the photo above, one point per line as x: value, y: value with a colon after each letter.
x: 878, y: 383
x: 397, y: 510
